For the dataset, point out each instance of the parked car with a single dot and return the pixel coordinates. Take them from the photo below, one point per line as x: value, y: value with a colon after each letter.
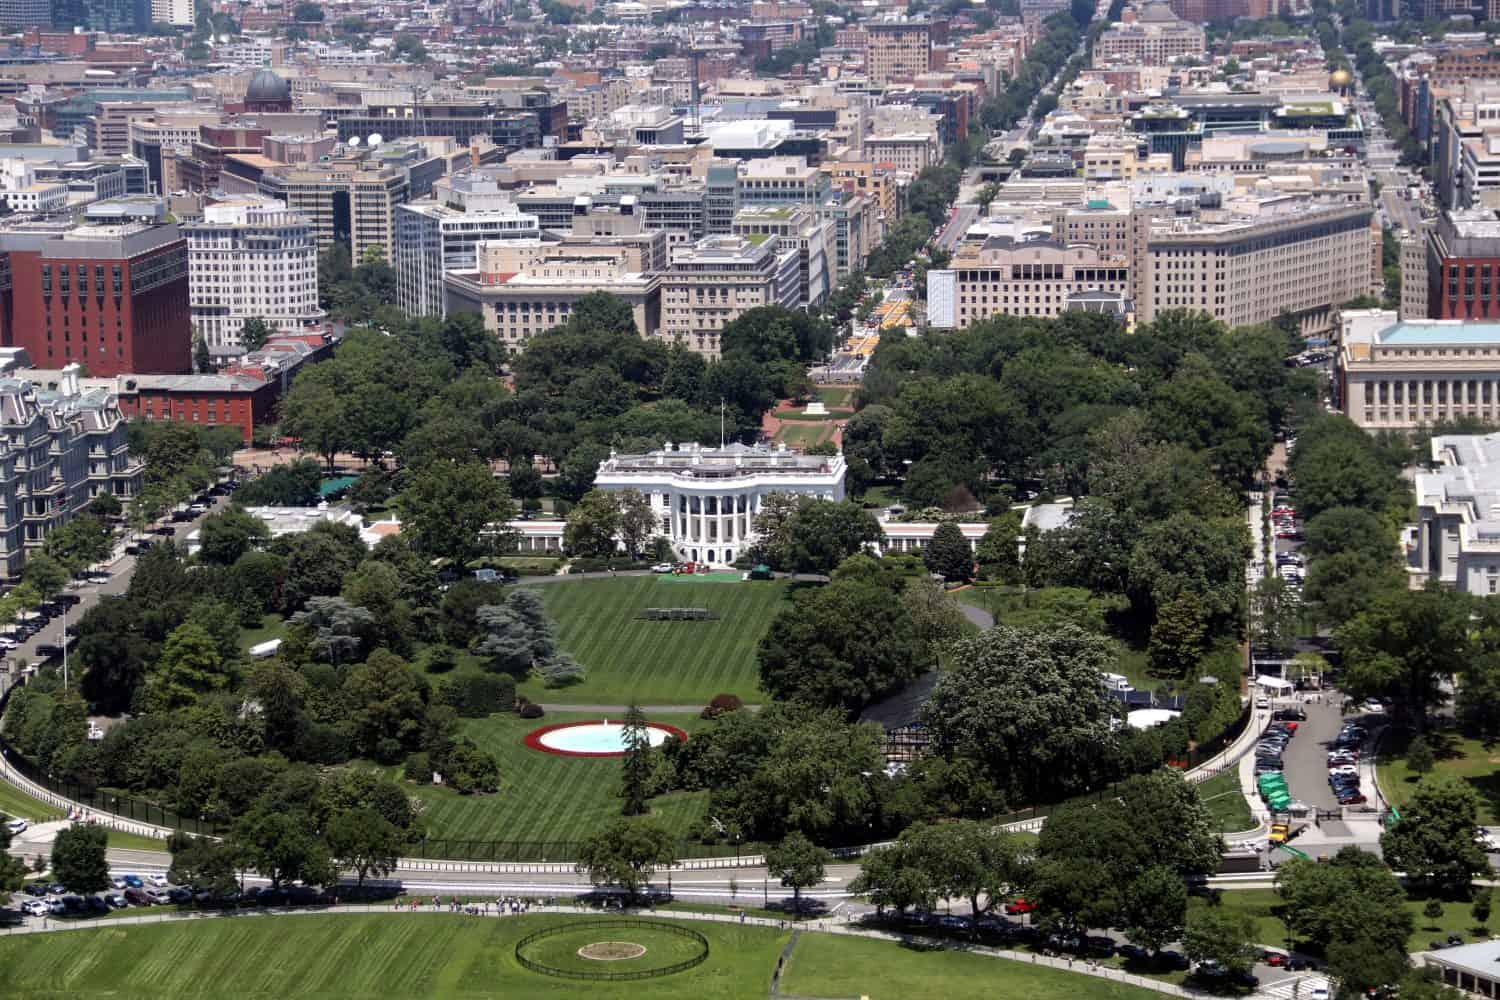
x: 178, y: 894
x: 663, y: 568
x: 115, y: 900
x: 48, y: 650
x: 118, y: 881
x: 1019, y: 906
x: 35, y: 889
x: 137, y: 897
x: 95, y: 905
x: 1373, y: 706
x: 15, y: 826
x: 36, y: 907
x: 159, y: 880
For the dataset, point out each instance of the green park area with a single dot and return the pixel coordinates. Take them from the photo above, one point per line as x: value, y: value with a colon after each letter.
x: 1264, y: 907
x: 545, y: 797
x: 438, y: 955
x: 658, y: 662
x: 1468, y: 760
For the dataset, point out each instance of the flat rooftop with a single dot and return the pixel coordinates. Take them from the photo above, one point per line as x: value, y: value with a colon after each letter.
x: 1407, y: 334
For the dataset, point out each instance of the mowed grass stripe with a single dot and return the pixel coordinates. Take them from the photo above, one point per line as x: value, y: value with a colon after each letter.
x: 364, y: 955
x: 658, y: 662
x: 545, y: 797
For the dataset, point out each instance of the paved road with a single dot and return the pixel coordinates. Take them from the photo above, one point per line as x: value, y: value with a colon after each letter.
x: 1306, y: 756
x: 121, y: 567
x: 953, y: 233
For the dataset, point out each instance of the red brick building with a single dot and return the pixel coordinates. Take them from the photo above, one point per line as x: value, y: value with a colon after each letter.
x: 113, y: 298
x: 1463, y: 266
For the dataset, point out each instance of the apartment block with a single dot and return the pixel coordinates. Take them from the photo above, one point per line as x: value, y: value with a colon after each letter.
x: 346, y: 203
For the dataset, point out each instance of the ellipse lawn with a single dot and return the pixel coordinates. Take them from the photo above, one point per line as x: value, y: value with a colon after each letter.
x: 422, y: 955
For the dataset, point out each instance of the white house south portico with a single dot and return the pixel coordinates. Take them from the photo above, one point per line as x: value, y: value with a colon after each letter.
x: 707, y: 498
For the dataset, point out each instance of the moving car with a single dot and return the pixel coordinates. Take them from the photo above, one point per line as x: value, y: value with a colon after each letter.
x: 15, y: 826
x: 663, y: 568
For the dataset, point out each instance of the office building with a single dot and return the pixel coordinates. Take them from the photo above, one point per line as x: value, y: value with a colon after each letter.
x: 113, y: 298
x: 799, y: 228
x: 714, y: 281
x: 432, y: 238
x: 1396, y: 374
x: 707, y: 498
x: 1152, y: 37
x: 897, y: 49
x: 1036, y: 277
x: 347, y: 202
x: 59, y: 448
x: 1463, y: 266
x: 909, y: 151
x: 520, y: 291
x: 178, y: 13
x: 15, y: 14
x: 1456, y: 540
x: 251, y: 259
x: 1292, y: 256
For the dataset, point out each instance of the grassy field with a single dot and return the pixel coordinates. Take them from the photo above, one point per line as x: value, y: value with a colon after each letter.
x: 17, y: 804
x: 660, y: 663
x: 1260, y: 904
x: 544, y: 797
x: 454, y: 956
x: 826, y: 966
x: 804, y: 434
x: 663, y: 948
x: 1465, y: 759
x: 350, y: 956
x: 1226, y: 801
x: 835, y: 395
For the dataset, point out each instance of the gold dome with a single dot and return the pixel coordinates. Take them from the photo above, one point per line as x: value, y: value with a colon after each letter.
x: 1340, y: 78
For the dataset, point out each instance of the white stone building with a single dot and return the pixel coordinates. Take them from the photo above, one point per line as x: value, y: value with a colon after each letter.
x: 707, y: 498
x: 250, y: 258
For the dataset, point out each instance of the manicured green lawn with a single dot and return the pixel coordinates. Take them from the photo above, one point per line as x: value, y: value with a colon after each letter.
x: 1269, y: 929
x: 662, y: 948
x: 135, y: 842
x: 422, y: 955
x: 17, y: 804
x: 834, y: 413
x: 1457, y: 757
x: 271, y: 627
x: 656, y: 662
x: 543, y: 796
x: 826, y: 966
x: 804, y: 434
x: 833, y: 395
x: 1226, y: 801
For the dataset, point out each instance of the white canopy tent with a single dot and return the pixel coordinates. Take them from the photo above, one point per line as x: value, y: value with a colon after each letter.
x: 1275, y: 684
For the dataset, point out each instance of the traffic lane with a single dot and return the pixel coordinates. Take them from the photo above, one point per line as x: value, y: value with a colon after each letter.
x: 1306, y: 757
x: 121, y: 570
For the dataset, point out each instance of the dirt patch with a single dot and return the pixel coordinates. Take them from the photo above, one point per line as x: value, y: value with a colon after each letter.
x: 611, y: 951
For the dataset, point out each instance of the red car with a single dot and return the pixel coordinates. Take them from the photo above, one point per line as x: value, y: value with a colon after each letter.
x: 1275, y: 959
x: 1020, y: 906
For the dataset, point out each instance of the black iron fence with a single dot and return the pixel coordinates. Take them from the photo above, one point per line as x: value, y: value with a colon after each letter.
x: 613, y: 925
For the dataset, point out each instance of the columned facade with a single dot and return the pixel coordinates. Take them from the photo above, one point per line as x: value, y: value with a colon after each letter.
x: 706, y: 499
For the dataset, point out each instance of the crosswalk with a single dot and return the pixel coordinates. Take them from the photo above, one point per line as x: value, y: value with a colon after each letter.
x: 1296, y: 987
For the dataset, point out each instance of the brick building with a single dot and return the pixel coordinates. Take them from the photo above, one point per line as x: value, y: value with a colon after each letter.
x: 111, y: 297
x: 1463, y: 266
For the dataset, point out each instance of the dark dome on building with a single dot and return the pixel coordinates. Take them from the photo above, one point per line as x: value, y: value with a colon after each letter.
x: 268, y: 88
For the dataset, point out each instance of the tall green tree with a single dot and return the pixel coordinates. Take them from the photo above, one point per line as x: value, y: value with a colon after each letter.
x: 78, y: 858
x: 637, y: 764
x: 1433, y: 841
x: 593, y: 526
x: 798, y: 863
x: 365, y: 841
x: 626, y: 854
x: 457, y: 511
x: 1407, y: 646
x: 949, y: 554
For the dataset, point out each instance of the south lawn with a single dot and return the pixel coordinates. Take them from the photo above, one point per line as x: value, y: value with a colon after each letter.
x: 1465, y: 759
x: 658, y: 662
x: 428, y: 955
x: 543, y: 796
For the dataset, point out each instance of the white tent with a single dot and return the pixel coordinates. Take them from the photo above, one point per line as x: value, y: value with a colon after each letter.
x: 1275, y: 684
x: 1147, y: 718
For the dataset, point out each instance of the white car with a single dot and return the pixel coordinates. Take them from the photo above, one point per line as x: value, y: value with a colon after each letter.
x: 663, y: 568
x: 36, y: 907
x: 1348, y: 769
x: 1487, y: 840
x: 16, y: 826
x: 118, y: 882
x: 1373, y: 707
x: 159, y: 880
